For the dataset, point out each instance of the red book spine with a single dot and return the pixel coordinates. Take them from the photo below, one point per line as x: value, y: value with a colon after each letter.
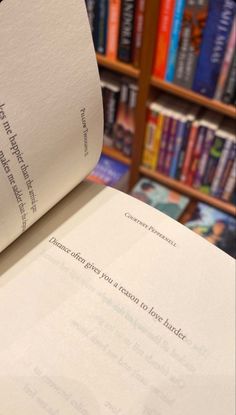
x: 113, y: 28
x: 189, y: 152
x: 138, y: 32
x: 163, y: 37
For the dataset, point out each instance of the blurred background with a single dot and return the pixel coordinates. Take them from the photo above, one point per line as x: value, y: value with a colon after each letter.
x: 168, y: 80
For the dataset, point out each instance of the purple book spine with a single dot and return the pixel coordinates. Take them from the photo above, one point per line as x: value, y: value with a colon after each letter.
x: 171, y: 146
x: 204, y: 158
x: 164, y: 143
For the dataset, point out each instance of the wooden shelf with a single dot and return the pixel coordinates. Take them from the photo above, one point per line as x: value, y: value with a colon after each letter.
x: 117, y: 66
x: 115, y: 154
x: 188, y: 191
x: 189, y: 95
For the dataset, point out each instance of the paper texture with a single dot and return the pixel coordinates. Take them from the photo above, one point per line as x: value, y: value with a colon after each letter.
x: 87, y: 316
x: 50, y: 108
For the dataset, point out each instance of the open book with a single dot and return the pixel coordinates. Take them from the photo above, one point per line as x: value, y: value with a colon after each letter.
x: 107, y: 307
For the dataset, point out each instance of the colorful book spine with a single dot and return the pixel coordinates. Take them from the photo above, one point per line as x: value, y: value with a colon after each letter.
x: 189, y: 151
x: 148, y: 159
x: 183, y: 149
x: 230, y: 88
x: 178, y: 144
x: 219, y: 23
x: 126, y: 30
x: 193, y: 24
x: 113, y: 28
x: 138, y: 32
x: 213, y: 160
x: 164, y: 142
x: 172, y: 54
x: 196, y: 156
x: 171, y: 146
x: 223, y: 168
x: 230, y: 185
x: 204, y: 158
x: 225, y: 68
x: 227, y: 170
x: 163, y: 37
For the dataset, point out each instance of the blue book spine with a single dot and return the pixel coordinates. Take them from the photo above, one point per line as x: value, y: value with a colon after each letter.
x: 173, y: 49
x: 218, y: 26
x: 102, y: 26
x: 178, y: 146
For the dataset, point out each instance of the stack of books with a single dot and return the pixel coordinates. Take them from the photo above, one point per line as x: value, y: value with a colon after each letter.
x: 194, y: 146
x: 119, y: 102
x: 117, y: 28
x: 195, y: 46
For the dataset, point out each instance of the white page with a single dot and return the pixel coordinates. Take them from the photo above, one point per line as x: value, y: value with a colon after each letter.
x: 50, y: 108
x: 73, y: 342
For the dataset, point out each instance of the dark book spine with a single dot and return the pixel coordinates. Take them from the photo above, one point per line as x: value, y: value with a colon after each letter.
x: 102, y: 26
x: 230, y: 87
x: 96, y: 25
x: 171, y: 146
x: 183, y: 149
x: 204, y: 158
x: 227, y: 167
x: 90, y: 5
x: 111, y: 111
x: 121, y: 119
x: 177, y: 147
x: 164, y: 143
x: 194, y: 19
x: 213, y: 160
x: 130, y: 120
x: 218, y: 27
x: 126, y: 30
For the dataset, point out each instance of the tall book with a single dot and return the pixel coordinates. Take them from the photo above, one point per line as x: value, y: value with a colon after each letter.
x: 218, y: 26
x: 229, y: 92
x: 173, y: 48
x: 138, y: 32
x: 164, y: 29
x: 103, y: 295
x: 113, y: 28
x: 227, y: 61
x: 102, y: 16
x: 152, y: 136
x: 126, y: 30
x: 194, y: 20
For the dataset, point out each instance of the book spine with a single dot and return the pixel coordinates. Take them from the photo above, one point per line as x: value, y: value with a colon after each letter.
x: 230, y: 88
x: 102, y: 26
x: 121, y: 119
x: 188, y: 156
x: 90, y: 5
x: 194, y: 19
x: 177, y: 148
x: 149, y: 144
x: 126, y: 30
x: 214, y: 43
x: 226, y: 170
x: 183, y: 149
x: 164, y: 143
x: 138, y: 32
x: 204, y: 158
x: 157, y: 139
x: 172, y: 54
x: 163, y: 37
x: 230, y: 185
x: 113, y: 28
x: 171, y: 146
x: 111, y: 111
x: 213, y: 159
x: 220, y: 168
x: 226, y: 62
x: 130, y: 121
x: 197, y: 152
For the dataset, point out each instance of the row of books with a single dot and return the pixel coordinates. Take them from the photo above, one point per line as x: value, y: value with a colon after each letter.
x: 119, y: 102
x: 117, y: 28
x: 195, y: 146
x: 196, y: 43
x: 214, y: 225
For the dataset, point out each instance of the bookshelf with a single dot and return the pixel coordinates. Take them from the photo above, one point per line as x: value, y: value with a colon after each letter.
x: 150, y: 86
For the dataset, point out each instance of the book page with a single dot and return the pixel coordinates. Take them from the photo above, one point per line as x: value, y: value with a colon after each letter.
x: 118, y: 310
x: 51, y: 125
